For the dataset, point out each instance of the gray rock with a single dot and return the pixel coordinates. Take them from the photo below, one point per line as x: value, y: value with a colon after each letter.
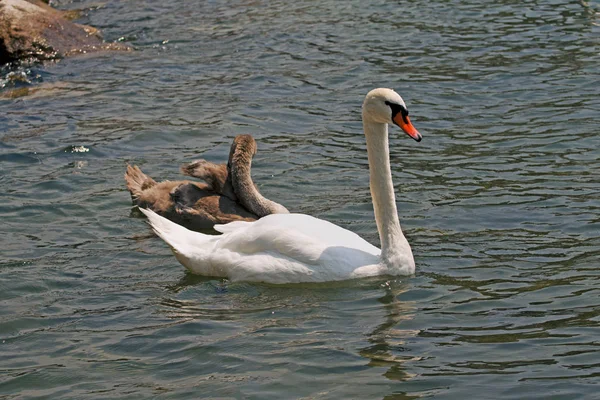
x: 32, y: 31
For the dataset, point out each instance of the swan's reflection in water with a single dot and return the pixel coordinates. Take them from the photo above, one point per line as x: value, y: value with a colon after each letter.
x: 288, y: 334
x: 189, y: 280
x: 388, y: 339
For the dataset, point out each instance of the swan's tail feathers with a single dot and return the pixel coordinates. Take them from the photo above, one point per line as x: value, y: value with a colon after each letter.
x: 184, y: 242
x: 137, y: 181
x: 174, y: 234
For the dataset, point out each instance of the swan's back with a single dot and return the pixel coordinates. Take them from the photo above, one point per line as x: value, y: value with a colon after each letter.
x: 280, y: 248
x: 285, y: 248
x: 321, y: 231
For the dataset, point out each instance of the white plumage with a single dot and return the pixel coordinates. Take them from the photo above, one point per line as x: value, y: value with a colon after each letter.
x: 278, y: 248
x: 291, y: 248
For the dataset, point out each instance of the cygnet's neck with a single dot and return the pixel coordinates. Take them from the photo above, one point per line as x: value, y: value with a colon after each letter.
x: 248, y: 194
x: 393, y: 242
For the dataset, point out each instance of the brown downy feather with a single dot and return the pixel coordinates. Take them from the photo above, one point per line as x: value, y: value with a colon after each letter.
x: 215, y: 175
x: 137, y: 181
x: 197, y: 205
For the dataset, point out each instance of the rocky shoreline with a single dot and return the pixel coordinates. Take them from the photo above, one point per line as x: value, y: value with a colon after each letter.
x: 31, y: 32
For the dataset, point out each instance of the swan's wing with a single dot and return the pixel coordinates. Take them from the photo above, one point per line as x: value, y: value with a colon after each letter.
x: 280, y: 248
x: 291, y: 248
x: 317, y: 230
x: 231, y: 226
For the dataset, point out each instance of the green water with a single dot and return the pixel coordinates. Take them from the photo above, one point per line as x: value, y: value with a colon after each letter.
x: 500, y: 202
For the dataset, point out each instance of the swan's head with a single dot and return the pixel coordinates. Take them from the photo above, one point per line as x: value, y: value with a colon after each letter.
x: 385, y: 106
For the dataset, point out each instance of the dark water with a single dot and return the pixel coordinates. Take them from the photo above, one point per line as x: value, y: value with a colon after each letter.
x: 500, y: 201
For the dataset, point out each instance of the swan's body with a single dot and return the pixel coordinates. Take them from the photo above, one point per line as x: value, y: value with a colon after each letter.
x: 293, y: 248
x: 198, y: 205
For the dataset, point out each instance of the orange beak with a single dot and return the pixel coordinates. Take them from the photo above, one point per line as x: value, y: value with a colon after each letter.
x: 407, y: 127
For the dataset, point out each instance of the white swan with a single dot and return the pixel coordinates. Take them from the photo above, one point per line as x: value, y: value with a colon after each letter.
x: 290, y: 248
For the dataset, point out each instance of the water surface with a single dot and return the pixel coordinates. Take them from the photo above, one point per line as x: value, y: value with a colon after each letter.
x: 500, y: 202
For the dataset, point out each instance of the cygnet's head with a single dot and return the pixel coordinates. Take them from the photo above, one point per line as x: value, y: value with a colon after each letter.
x: 385, y: 106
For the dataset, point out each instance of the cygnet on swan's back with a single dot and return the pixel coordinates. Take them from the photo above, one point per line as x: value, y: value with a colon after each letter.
x: 200, y: 205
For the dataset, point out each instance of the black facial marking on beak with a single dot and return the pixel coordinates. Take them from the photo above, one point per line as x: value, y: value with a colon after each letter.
x: 400, y: 118
x: 397, y: 108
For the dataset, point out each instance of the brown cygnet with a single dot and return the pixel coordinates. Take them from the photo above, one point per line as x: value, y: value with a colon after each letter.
x: 228, y: 194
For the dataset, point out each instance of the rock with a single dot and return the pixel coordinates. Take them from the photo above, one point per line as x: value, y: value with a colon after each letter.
x: 31, y: 31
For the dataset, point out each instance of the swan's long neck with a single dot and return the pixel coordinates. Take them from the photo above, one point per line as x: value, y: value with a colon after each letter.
x: 393, y: 242
x: 247, y: 193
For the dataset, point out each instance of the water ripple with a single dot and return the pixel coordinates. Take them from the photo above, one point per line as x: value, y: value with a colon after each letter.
x: 499, y: 202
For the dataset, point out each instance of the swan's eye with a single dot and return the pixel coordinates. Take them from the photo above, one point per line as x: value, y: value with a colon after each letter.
x: 397, y: 108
